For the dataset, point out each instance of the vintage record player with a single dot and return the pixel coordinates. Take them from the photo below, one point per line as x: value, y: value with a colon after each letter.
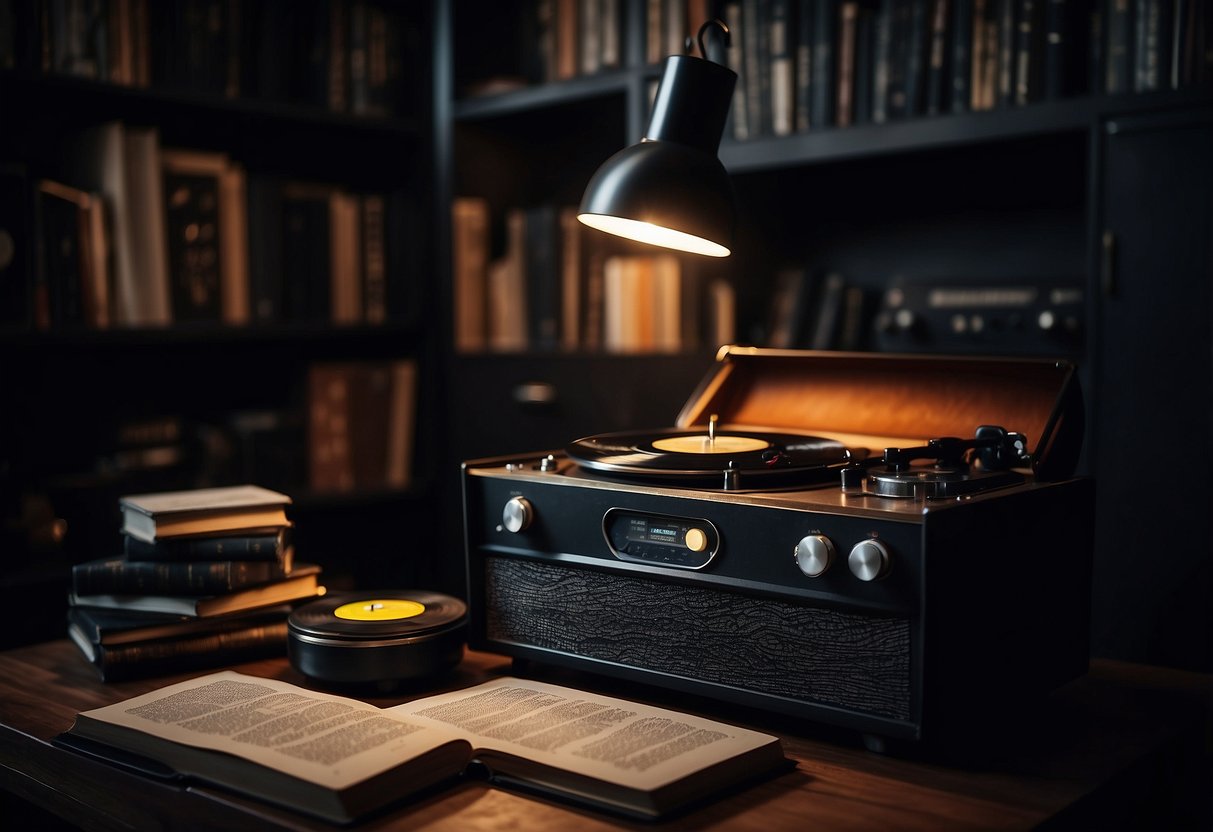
x: 894, y: 544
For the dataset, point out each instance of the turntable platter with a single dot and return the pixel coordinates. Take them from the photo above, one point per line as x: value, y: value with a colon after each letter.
x: 722, y: 456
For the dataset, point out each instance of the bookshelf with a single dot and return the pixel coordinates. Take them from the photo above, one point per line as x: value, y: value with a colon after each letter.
x: 1014, y: 194
x: 323, y: 100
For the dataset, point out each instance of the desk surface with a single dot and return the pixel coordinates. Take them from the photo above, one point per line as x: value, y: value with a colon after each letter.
x: 1123, y: 742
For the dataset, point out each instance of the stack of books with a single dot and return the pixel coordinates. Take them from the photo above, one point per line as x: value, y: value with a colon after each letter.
x: 206, y: 576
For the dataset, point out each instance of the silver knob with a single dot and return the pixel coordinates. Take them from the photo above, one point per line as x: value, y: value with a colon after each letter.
x: 517, y: 514
x: 814, y: 554
x: 869, y: 560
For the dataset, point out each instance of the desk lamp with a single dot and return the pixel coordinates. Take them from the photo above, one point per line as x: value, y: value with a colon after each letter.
x: 670, y: 189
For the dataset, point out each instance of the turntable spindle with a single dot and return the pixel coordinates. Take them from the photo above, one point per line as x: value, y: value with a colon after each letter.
x: 712, y: 429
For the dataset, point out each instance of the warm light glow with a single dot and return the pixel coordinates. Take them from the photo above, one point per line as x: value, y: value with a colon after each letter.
x: 647, y: 232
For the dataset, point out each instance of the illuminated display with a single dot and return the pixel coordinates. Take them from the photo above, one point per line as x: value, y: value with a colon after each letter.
x: 640, y: 530
x: 679, y: 542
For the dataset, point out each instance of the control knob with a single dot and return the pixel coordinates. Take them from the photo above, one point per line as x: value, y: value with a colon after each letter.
x: 517, y: 514
x: 814, y: 554
x: 869, y: 560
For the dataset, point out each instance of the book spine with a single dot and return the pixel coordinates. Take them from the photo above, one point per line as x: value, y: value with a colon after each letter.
x: 125, y: 577
x: 781, y: 68
x: 961, y: 69
x: 937, y: 59
x: 192, y: 221
x: 825, y: 78
x: 1117, y: 56
x: 261, y: 547
x: 804, y: 66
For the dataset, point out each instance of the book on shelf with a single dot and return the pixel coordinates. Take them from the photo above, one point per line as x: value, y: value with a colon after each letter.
x: 848, y: 33
x: 642, y: 304
x: 507, y: 296
x: 71, y: 279
x: 470, y: 251
x: 302, y: 583
x: 267, y: 544
x: 782, y: 67
x: 341, y: 759
x: 125, y: 645
x: 202, y: 511
x: 206, y: 222
x: 938, y: 57
x: 122, y: 163
x: 120, y: 576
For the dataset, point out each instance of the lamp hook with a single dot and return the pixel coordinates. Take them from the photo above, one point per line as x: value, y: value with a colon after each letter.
x: 703, y: 50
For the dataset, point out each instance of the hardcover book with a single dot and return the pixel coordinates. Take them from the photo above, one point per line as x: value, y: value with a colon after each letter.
x: 339, y: 758
x: 113, y: 628
x: 303, y: 583
x: 269, y: 544
x: 224, y: 640
x: 151, y: 517
x: 207, y: 577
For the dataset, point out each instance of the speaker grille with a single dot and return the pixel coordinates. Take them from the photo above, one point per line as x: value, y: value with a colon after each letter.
x: 747, y: 643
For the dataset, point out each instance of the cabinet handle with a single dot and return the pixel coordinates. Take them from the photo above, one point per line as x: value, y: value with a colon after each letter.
x: 1107, y: 264
x: 535, y: 393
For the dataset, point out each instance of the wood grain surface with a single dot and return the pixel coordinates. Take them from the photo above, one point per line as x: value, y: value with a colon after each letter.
x: 1123, y: 744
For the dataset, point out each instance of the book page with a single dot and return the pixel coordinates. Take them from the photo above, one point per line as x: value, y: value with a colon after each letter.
x: 325, y: 739
x: 621, y: 742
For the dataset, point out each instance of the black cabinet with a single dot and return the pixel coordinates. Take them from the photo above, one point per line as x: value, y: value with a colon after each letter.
x: 1152, y: 431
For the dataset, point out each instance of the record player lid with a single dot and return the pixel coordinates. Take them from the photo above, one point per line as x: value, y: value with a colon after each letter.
x: 878, y: 400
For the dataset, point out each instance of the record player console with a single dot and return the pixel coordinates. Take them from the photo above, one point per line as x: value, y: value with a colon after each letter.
x: 853, y: 575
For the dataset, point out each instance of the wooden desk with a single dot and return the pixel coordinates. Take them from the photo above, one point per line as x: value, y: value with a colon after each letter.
x: 1124, y: 746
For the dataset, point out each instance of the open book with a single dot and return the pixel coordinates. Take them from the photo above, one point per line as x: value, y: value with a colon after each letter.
x: 339, y: 758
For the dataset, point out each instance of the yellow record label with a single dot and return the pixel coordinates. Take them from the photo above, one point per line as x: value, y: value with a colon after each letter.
x: 709, y: 445
x: 376, y: 609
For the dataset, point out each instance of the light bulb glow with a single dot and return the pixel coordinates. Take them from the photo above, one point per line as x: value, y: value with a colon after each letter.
x: 647, y: 232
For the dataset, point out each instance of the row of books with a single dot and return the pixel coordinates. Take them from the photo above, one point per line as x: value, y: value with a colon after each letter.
x: 554, y: 284
x: 562, y: 39
x: 138, y: 235
x: 809, y: 64
x: 342, y: 55
x: 361, y: 425
x: 206, y: 576
x: 810, y: 309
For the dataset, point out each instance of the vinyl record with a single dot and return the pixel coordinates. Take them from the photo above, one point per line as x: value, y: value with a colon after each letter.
x: 694, y: 454
x: 377, y: 638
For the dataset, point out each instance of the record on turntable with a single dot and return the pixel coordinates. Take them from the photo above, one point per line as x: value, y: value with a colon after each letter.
x: 720, y: 456
x: 377, y: 638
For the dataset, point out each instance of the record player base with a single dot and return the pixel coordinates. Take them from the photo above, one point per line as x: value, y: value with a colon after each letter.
x: 1123, y: 747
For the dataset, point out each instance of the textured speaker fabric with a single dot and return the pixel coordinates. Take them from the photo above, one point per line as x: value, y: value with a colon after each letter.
x: 750, y: 643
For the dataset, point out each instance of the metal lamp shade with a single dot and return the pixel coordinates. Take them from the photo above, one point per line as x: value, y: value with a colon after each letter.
x: 670, y: 189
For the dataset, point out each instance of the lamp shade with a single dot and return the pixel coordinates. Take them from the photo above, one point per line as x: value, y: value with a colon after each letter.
x: 670, y: 189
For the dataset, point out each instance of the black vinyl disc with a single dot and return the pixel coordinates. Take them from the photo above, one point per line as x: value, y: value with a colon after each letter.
x: 693, y: 454
x: 377, y: 638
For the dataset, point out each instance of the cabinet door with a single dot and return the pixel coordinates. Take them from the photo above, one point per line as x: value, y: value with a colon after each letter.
x: 1152, y: 425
